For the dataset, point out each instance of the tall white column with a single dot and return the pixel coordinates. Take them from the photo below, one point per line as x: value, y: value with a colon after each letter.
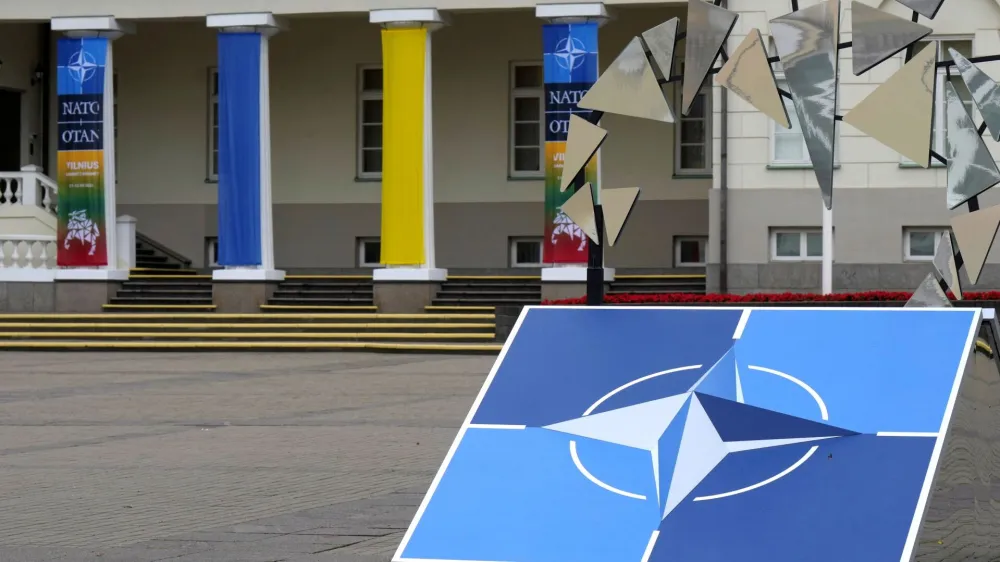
x: 266, y: 25
x: 110, y: 28
x: 592, y: 12
x: 403, y: 261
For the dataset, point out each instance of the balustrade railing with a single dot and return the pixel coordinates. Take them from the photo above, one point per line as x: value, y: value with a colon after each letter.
x: 28, y: 257
x: 29, y: 186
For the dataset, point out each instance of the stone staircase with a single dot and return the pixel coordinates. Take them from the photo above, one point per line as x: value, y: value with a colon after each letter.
x: 658, y: 283
x: 484, y: 292
x: 433, y: 333
x: 323, y: 293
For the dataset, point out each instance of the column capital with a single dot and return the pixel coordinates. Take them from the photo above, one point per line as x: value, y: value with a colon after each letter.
x: 92, y: 26
x: 573, y: 13
x: 257, y: 22
x: 430, y: 18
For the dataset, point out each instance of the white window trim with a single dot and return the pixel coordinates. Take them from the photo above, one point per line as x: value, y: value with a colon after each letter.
x: 364, y: 95
x: 512, y: 250
x: 114, y: 109
x: 940, y: 144
x: 678, y: 129
x: 803, y: 244
x: 938, y: 233
x: 677, y: 250
x: 514, y: 93
x: 211, y: 174
x: 362, y: 242
x: 211, y: 250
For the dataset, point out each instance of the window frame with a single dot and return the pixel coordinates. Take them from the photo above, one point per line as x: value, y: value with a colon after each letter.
x: 706, y: 90
x: 212, y: 252
x: 212, y: 128
x: 803, y: 244
x: 678, y: 240
x: 940, y: 122
x: 513, y: 93
x: 364, y: 95
x: 938, y: 232
x: 512, y: 251
x: 361, y: 243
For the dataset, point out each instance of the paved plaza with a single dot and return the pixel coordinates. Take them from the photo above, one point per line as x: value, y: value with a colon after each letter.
x: 221, y: 457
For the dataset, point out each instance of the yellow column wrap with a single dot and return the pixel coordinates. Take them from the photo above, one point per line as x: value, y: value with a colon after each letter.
x: 403, y: 54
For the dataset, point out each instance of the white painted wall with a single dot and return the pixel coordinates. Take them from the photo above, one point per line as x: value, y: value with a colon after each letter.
x: 163, y: 111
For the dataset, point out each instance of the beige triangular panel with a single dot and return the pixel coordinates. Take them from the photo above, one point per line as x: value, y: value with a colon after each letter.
x: 944, y: 263
x: 580, y: 209
x: 617, y: 204
x: 661, y: 40
x: 629, y: 87
x: 900, y: 112
x: 975, y: 233
x: 582, y: 141
x: 877, y: 36
x: 708, y: 27
x: 929, y: 295
x: 748, y: 75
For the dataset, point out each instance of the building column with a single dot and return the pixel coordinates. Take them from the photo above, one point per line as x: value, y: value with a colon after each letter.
x: 90, y: 272
x: 248, y: 276
x: 570, y: 52
x: 409, y: 281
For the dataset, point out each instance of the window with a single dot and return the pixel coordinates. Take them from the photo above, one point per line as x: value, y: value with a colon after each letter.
x: 527, y: 116
x: 212, y: 158
x: 693, y: 132
x: 369, y: 252
x: 920, y: 244
x: 212, y: 251
x: 796, y: 245
x: 370, y: 122
x: 788, y: 146
x: 525, y: 252
x: 689, y: 251
x: 963, y: 46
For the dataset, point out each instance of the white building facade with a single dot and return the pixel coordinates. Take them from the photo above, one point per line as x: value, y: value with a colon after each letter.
x: 486, y: 152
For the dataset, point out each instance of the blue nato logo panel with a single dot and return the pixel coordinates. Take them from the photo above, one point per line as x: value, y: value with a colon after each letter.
x: 666, y: 435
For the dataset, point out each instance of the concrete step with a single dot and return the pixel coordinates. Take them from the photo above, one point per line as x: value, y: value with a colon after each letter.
x: 253, y: 336
x: 323, y: 293
x: 133, y: 291
x: 166, y: 313
x: 159, y: 308
x: 110, y: 325
x: 482, y: 302
x: 460, y: 348
x: 491, y: 294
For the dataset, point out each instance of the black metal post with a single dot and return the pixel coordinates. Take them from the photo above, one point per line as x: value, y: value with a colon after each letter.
x: 595, y: 250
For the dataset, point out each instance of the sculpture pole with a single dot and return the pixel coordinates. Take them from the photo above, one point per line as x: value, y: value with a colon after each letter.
x: 827, y: 250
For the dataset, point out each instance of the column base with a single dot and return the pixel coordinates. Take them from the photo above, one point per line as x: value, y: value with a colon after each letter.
x: 76, y: 274
x: 243, y: 291
x: 406, y: 290
x: 569, y: 282
x: 27, y: 296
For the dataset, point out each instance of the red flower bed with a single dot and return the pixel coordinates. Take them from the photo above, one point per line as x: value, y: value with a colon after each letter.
x: 667, y: 298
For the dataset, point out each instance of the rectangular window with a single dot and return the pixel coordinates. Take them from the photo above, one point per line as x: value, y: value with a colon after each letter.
x: 212, y: 251
x: 369, y: 252
x: 527, y: 118
x: 796, y: 245
x: 692, y: 132
x: 370, y: 122
x: 788, y: 146
x: 213, y: 125
x: 919, y: 244
x: 526, y: 252
x: 939, y: 134
x: 689, y: 251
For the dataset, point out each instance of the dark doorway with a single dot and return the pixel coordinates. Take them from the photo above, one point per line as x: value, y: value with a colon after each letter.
x: 10, y: 131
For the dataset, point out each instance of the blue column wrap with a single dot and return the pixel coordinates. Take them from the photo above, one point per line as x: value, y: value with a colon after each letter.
x: 239, y: 149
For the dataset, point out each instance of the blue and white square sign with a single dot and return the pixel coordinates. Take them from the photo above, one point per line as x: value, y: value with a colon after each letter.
x: 700, y: 434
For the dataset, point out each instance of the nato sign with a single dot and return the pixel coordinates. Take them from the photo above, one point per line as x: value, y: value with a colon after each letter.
x: 711, y: 434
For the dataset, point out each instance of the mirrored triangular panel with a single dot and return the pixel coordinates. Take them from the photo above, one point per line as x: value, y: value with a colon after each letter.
x: 708, y: 27
x: 580, y: 209
x: 582, y: 142
x: 975, y: 233
x: 877, y: 36
x: 617, y: 205
x: 748, y: 75
x: 806, y: 42
x: 944, y: 263
x: 661, y: 41
x: 900, y: 112
x: 971, y: 168
x: 929, y: 295
x: 926, y: 8
x: 985, y: 91
x: 629, y: 87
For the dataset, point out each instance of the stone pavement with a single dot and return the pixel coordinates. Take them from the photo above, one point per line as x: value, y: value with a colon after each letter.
x: 221, y: 457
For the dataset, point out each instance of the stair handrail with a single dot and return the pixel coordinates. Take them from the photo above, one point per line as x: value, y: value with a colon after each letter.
x: 184, y: 260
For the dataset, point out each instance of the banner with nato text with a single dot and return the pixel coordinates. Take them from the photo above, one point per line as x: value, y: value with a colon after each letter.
x: 570, y: 65
x: 81, y: 83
